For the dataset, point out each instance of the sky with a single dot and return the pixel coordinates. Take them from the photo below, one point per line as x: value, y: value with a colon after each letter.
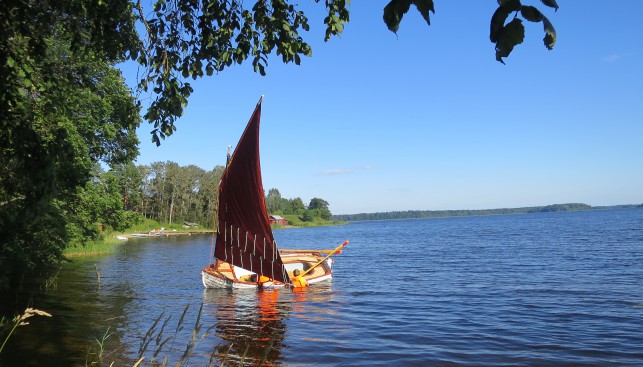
x: 427, y: 119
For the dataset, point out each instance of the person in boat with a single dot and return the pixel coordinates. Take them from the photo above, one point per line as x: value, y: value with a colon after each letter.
x: 265, y: 282
x: 298, y: 281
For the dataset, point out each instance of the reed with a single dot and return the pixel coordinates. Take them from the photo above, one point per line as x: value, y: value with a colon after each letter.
x: 101, y: 343
x: 93, y: 248
x: 156, y: 350
x: 52, y: 281
x: 97, y: 275
x: 20, y: 320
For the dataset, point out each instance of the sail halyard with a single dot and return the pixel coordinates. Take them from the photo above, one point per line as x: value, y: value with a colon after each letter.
x: 244, y: 237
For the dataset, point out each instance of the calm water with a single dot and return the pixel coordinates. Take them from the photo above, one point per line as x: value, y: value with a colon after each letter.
x: 546, y: 289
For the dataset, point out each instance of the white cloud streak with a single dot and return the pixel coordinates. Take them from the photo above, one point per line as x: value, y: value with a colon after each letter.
x: 346, y: 171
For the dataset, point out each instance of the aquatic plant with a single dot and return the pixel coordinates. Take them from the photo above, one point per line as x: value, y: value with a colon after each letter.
x: 52, y: 281
x: 155, y: 343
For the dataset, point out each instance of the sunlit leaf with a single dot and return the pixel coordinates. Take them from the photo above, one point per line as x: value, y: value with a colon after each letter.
x: 550, y: 34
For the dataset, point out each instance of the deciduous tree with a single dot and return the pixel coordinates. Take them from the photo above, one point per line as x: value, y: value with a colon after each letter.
x: 273, y: 201
x: 63, y: 109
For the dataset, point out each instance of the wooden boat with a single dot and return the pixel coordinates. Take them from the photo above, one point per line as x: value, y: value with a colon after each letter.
x: 245, y: 251
x: 140, y: 235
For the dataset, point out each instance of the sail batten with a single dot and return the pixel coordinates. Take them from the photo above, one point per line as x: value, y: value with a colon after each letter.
x: 242, y: 210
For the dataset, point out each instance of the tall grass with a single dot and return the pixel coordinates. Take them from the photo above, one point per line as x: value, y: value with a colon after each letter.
x: 160, y: 346
x: 20, y: 320
x: 92, y: 248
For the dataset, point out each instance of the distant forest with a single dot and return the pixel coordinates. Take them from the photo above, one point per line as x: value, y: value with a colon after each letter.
x: 416, y: 214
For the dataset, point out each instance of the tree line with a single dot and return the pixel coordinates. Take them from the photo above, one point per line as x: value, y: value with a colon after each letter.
x: 170, y: 193
x: 317, y: 208
x: 418, y: 214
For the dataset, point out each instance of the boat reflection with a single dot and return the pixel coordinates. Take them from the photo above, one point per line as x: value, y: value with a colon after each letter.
x: 250, y: 323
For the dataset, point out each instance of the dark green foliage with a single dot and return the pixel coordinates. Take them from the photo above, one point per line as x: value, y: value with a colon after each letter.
x: 63, y: 109
x: 511, y: 35
x: 395, y: 10
x: 507, y: 35
x: 319, y: 208
x: 317, y: 203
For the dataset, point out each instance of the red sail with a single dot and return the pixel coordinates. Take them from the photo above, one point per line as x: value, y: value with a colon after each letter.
x: 244, y: 237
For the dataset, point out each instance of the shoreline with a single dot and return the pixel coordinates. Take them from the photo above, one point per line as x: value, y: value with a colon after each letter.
x: 112, y: 240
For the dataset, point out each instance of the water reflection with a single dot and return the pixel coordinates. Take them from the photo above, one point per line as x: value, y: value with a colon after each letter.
x: 82, y: 313
x: 250, y: 324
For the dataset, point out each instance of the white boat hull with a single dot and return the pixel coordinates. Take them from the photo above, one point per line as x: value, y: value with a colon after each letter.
x: 224, y: 276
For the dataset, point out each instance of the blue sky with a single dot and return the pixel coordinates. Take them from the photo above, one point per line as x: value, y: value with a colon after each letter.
x: 428, y: 120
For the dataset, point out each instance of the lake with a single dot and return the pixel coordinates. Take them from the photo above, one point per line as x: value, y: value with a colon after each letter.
x: 542, y: 289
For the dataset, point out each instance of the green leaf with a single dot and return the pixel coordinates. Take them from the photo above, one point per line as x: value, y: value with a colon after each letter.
x: 512, y: 5
x: 499, y: 17
x: 497, y: 23
x: 424, y: 7
x: 550, y: 3
x: 531, y: 13
x: 512, y: 34
x: 393, y: 13
x: 550, y: 34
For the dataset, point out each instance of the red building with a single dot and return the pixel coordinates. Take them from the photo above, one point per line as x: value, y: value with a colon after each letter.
x: 277, y: 219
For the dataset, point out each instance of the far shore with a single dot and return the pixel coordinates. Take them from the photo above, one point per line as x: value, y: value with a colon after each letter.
x: 112, y: 239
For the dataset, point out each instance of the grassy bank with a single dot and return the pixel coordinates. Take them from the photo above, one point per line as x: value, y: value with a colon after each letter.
x: 295, y: 220
x: 107, y: 246
x: 110, y: 242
